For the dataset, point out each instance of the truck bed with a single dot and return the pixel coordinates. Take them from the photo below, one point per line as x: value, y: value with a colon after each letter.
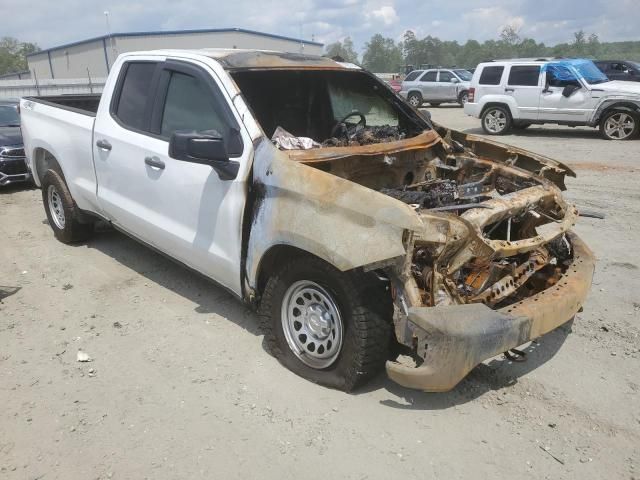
x: 86, y: 104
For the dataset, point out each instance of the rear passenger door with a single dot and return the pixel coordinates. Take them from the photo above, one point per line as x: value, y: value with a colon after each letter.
x: 428, y: 85
x: 183, y: 209
x: 524, y: 84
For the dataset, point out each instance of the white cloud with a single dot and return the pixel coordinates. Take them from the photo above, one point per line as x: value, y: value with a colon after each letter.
x: 387, y: 14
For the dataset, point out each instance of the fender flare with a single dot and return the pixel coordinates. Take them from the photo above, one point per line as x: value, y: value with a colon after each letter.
x: 607, y: 105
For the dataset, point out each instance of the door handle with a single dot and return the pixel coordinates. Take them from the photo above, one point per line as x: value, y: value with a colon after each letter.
x: 104, y: 145
x: 509, y: 90
x: 154, y: 162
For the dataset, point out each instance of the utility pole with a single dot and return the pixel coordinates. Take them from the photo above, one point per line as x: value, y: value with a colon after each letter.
x: 114, y: 52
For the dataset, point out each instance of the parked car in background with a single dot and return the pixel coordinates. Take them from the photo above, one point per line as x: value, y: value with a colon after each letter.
x: 515, y: 94
x: 13, y: 165
x: 620, y: 69
x: 436, y: 86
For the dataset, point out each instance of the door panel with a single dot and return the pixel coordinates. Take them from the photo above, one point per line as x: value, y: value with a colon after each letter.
x: 179, y: 207
x: 524, y: 84
x: 556, y: 107
x: 446, y: 89
x: 428, y: 83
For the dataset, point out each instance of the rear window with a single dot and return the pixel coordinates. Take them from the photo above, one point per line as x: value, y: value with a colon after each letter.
x: 429, y: 77
x: 491, y: 75
x: 412, y: 76
x: 134, y: 93
x: 524, y: 75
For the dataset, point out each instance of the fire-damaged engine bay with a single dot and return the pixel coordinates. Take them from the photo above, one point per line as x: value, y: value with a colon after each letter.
x: 494, y: 231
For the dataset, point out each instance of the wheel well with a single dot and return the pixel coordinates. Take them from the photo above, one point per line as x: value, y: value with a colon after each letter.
x: 631, y: 107
x: 496, y: 104
x: 410, y: 92
x: 273, y: 258
x: 44, y: 161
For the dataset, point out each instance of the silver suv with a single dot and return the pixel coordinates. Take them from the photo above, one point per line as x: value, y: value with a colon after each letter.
x: 436, y: 86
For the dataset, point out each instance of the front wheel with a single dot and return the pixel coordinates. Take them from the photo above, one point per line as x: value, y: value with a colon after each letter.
x: 414, y: 99
x: 496, y: 121
x: 62, y: 212
x: 327, y: 326
x: 618, y: 125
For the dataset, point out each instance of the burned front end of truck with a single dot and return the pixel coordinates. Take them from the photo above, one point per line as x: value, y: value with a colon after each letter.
x: 473, y: 237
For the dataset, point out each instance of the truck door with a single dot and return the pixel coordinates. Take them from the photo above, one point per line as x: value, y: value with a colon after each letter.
x: 524, y: 85
x: 558, y: 104
x: 184, y: 209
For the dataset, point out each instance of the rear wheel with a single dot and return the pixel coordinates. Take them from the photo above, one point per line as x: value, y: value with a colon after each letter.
x: 414, y: 99
x: 496, y: 120
x: 434, y: 104
x: 618, y: 125
x: 327, y: 326
x: 463, y: 98
x: 521, y: 126
x: 62, y: 212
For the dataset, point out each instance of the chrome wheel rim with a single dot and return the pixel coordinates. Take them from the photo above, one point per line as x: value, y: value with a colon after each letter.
x: 619, y: 126
x: 414, y: 101
x: 495, y: 121
x: 56, y: 207
x: 464, y: 98
x: 312, y: 324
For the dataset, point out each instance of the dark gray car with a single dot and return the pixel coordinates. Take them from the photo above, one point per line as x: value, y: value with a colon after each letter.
x: 13, y: 165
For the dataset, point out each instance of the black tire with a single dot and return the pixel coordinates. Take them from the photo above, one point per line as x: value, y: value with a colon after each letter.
x: 625, y: 117
x: 366, y: 312
x: 56, y: 197
x: 415, y: 99
x: 496, y: 112
x: 435, y: 104
x: 463, y: 97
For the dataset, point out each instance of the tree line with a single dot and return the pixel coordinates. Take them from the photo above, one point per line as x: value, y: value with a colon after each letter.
x: 386, y: 55
x: 13, y: 55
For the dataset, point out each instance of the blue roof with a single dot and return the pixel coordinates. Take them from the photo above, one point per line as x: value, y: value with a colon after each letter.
x: 176, y: 32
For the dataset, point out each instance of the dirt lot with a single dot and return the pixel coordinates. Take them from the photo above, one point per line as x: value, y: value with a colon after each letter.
x: 180, y: 385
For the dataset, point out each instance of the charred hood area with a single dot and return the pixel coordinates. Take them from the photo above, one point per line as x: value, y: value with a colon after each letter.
x: 494, y: 217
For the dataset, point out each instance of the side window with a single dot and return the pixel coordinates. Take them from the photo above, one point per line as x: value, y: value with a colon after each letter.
x: 491, y: 75
x: 412, y: 76
x: 445, y: 76
x: 524, y: 75
x: 191, y: 106
x: 134, y: 93
x: 429, y: 77
x: 619, y: 67
x: 560, y: 76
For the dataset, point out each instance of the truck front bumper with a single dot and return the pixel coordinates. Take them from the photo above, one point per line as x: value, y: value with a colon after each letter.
x: 459, y: 337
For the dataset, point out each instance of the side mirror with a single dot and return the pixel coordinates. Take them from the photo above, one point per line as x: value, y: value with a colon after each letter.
x: 569, y: 90
x: 207, y: 148
x: 454, y: 80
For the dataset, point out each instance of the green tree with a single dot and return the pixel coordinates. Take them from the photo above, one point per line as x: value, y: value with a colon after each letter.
x: 382, y: 55
x: 342, y: 49
x: 13, y: 55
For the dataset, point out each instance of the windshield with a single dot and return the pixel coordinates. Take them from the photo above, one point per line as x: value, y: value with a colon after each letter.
x: 585, y: 69
x: 635, y: 64
x: 9, y: 116
x: 464, y: 75
x: 348, y: 97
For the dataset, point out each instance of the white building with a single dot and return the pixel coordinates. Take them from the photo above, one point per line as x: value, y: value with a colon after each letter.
x: 95, y: 56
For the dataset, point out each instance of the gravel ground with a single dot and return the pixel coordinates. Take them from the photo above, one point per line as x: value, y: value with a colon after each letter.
x: 180, y: 385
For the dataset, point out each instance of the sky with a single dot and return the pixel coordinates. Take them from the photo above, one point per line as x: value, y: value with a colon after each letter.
x: 53, y: 22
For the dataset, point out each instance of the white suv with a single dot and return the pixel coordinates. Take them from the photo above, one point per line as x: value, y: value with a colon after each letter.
x: 436, y: 86
x: 516, y: 93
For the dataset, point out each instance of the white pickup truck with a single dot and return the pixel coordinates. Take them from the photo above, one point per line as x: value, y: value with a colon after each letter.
x: 362, y: 233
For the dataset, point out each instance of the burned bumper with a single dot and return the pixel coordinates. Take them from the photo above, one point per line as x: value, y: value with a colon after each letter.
x: 459, y: 337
